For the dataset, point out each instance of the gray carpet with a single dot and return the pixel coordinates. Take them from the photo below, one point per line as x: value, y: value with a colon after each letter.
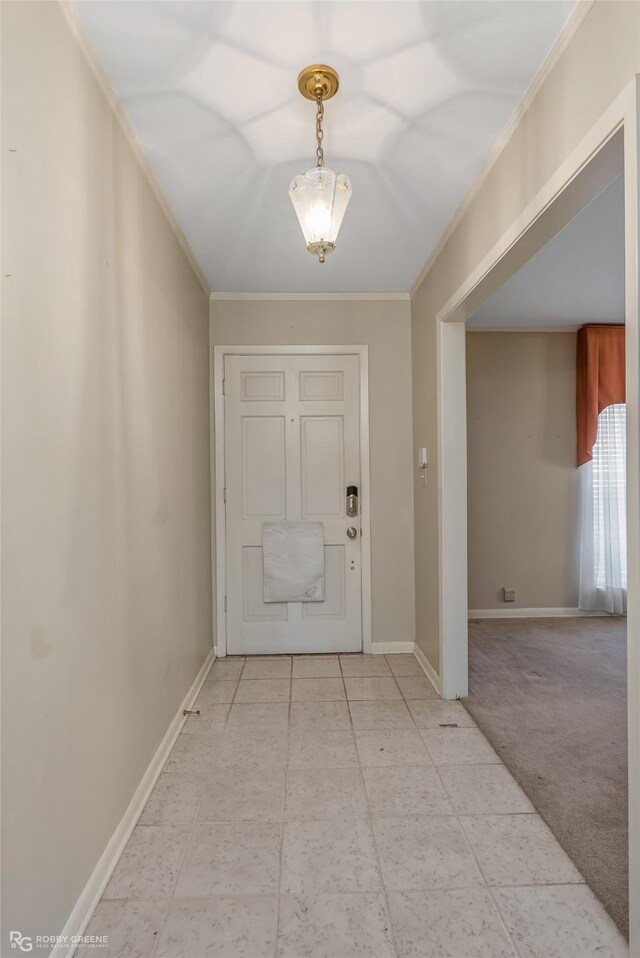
x: 551, y: 696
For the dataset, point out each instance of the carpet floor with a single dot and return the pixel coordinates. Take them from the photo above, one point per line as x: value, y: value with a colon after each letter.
x: 551, y: 697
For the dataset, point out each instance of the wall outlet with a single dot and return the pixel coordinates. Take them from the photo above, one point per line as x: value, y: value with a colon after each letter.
x: 509, y: 595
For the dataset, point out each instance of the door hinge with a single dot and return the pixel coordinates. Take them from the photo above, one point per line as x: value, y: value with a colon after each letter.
x: 224, y: 386
x: 225, y: 603
x: 224, y: 494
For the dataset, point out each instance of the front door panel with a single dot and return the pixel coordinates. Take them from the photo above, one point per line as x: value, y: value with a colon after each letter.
x: 292, y: 446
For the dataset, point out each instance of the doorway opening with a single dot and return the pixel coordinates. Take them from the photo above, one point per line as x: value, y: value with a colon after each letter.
x: 547, y: 539
x: 611, y: 145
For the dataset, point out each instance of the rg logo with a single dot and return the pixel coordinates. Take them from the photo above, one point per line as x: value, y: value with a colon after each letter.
x: 20, y: 941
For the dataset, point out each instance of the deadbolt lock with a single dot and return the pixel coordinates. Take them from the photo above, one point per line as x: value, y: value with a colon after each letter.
x: 352, y: 532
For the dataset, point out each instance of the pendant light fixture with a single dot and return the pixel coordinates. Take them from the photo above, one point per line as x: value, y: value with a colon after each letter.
x: 319, y: 196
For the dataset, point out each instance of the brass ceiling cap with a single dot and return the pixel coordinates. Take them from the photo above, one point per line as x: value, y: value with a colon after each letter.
x: 318, y: 81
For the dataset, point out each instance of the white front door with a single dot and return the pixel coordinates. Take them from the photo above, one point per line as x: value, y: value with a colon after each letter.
x: 292, y: 446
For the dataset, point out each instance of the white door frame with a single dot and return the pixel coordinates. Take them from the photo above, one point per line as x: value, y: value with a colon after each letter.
x: 561, y: 198
x: 219, y: 541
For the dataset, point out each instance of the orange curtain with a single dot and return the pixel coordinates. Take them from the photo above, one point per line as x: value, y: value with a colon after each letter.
x: 600, y: 380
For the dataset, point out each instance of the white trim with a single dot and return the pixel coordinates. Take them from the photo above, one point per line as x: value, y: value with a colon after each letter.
x: 572, y: 25
x: 536, y: 613
x: 80, y: 34
x: 217, y: 496
x: 92, y: 891
x: 217, y: 418
x: 632, y: 302
x: 217, y: 516
x: 391, y: 648
x: 452, y: 511
x: 365, y: 512
x: 304, y: 296
x: 427, y: 668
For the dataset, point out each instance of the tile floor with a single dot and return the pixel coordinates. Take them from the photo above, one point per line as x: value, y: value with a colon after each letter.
x: 333, y: 806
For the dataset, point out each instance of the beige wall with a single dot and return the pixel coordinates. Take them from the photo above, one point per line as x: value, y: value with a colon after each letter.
x: 522, y: 476
x: 385, y: 326
x: 599, y: 62
x: 106, y: 578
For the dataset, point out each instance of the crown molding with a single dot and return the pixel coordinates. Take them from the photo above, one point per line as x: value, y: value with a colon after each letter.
x: 523, y: 329
x: 302, y: 296
x: 80, y: 35
x: 572, y: 24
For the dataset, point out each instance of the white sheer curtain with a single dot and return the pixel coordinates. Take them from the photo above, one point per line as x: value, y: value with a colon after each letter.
x: 603, y: 517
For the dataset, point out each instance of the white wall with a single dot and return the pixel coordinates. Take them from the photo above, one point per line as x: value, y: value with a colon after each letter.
x: 522, y: 476
x: 599, y: 62
x: 106, y: 574
x: 385, y: 326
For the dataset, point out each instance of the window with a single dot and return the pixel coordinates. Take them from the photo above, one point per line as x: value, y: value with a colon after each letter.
x: 601, y: 447
x: 603, y: 517
x: 610, y: 499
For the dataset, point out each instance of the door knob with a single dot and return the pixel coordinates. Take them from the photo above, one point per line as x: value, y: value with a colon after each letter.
x: 352, y: 532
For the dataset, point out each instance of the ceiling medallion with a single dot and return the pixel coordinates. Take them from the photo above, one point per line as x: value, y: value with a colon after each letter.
x: 320, y: 196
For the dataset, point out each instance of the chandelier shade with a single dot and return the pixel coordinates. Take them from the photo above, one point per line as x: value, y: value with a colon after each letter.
x: 320, y: 198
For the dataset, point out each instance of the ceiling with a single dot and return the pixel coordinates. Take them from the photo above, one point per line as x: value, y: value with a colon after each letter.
x: 577, y: 278
x: 210, y: 90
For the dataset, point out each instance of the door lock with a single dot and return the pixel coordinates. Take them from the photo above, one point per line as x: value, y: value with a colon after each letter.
x: 352, y: 501
x: 352, y: 532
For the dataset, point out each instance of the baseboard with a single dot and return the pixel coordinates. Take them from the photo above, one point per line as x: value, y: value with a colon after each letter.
x: 388, y: 648
x: 503, y: 613
x: 92, y: 892
x: 427, y: 668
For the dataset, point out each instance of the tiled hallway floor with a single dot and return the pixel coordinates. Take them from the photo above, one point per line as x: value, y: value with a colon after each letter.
x: 334, y: 806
